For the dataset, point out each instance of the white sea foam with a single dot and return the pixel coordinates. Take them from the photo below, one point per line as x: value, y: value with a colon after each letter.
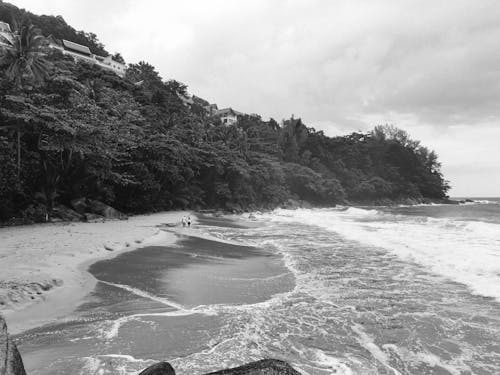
x: 144, y: 294
x: 366, y: 341
x: 464, y: 251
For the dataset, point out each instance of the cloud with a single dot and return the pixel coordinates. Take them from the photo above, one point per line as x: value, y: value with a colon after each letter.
x: 341, y: 65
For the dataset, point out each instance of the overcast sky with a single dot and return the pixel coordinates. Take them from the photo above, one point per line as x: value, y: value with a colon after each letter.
x: 431, y: 67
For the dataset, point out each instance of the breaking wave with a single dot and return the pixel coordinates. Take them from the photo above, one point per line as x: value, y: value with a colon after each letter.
x: 467, y: 252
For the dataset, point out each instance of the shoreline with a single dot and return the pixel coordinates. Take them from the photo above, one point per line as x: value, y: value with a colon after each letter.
x: 44, y: 267
x: 57, y: 282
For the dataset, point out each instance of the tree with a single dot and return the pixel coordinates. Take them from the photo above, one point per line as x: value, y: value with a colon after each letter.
x: 119, y: 58
x: 23, y: 62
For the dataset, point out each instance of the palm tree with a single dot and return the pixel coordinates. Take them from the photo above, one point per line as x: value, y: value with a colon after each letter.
x: 22, y: 59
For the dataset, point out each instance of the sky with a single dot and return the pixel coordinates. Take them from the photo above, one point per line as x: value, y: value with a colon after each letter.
x: 430, y: 67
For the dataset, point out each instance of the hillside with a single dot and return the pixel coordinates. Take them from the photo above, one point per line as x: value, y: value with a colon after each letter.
x: 134, y: 144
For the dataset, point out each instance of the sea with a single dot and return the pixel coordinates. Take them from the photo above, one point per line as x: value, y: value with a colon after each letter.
x: 344, y: 290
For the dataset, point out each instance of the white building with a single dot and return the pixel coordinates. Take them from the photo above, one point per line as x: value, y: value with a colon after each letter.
x: 6, y: 36
x: 228, y: 116
x: 75, y: 50
x: 83, y: 53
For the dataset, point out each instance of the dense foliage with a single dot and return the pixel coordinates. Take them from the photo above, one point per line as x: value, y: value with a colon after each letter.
x: 132, y: 143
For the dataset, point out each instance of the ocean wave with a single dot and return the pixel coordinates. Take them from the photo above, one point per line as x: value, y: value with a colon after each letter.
x: 464, y: 251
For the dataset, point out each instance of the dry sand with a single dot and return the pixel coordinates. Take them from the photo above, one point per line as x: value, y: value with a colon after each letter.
x: 43, y: 268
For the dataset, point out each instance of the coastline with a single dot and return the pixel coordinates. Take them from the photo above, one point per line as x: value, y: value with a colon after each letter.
x: 177, y: 295
x: 44, y: 267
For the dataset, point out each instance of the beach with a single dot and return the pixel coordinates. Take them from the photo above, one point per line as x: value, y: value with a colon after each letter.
x: 336, y: 290
x: 43, y: 268
x: 160, y: 301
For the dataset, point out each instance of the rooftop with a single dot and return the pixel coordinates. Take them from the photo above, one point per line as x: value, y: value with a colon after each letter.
x: 76, y: 47
x: 227, y: 111
x: 5, y: 27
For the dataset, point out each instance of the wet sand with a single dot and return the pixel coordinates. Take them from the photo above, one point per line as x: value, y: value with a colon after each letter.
x: 43, y: 268
x: 156, y: 303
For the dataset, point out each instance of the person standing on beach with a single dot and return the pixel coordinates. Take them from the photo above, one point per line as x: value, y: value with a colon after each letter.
x: 183, y: 221
x: 189, y: 221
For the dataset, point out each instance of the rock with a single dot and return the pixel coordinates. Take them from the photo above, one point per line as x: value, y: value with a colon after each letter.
x: 234, y: 208
x: 92, y: 218
x: 102, y: 209
x: 162, y: 368
x: 79, y: 205
x: 66, y: 214
x: 305, y: 204
x: 262, y: 367
x: 293, y: 204
x: 10, y: 359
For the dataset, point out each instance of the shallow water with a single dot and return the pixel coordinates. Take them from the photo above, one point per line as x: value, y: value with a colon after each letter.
x: 407, y: 290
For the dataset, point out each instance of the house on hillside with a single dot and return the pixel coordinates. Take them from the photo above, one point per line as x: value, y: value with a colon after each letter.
x: 75, y: 50
x: 228, y: 116
x: 83, y: 53
x: 211, y: 109
x: 6, y: 35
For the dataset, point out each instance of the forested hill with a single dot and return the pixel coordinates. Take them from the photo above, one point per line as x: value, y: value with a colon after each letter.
x: 132, y: 143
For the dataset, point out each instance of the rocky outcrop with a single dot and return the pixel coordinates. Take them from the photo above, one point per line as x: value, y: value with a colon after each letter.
x: 93, y: 210
x: 10, y: 359
x: 104, y: 210
x: 162, y: 368
x: 262, y: 367
x: 66, y: 214
x: 293, y: 204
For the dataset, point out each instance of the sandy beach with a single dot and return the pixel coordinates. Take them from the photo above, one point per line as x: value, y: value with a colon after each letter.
x: 43, y: 268
x: 170, y: 297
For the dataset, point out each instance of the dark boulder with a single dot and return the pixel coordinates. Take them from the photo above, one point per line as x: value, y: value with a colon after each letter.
x: 92, y: 218
x: 102, y: 209
x: 293, y: 204
x: 262, y: 367
x: 66, y: 214
x: 79, y: 205
x: 10, y: 359
x: 162, y: 368
x: 234, y: 208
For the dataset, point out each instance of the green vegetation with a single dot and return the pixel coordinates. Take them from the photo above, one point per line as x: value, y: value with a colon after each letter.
x: 132, y: 143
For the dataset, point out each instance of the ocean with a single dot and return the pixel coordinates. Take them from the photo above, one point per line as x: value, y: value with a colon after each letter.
x: 365, y: 290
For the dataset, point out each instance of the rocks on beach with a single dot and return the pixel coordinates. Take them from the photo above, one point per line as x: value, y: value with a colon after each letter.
x: 89, y: 210
x: 15, y: 292
x: 262, y: 367
x: 11, y: 362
